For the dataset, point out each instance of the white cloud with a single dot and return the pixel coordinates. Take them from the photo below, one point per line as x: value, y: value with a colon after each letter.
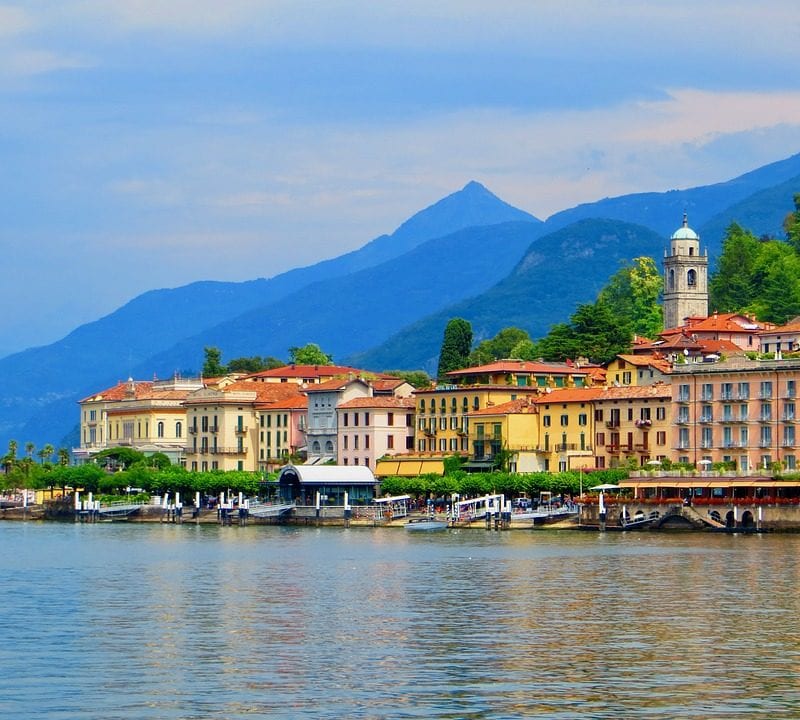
x: 39, y: 62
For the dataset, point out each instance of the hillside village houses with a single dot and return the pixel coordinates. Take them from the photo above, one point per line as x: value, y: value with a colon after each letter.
x: 691, y: 395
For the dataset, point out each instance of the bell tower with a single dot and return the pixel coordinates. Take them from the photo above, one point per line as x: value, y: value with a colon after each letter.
x: 685, y: 277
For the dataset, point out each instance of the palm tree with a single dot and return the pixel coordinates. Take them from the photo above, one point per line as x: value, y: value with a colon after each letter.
x: 46, y: 453
x: 63, y: 456
x: 29, y: 448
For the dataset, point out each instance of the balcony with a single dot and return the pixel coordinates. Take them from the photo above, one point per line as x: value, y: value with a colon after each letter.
x: 682, y: 421
x: 612, y: 449
x: 645, y: 423
x: 788, y: 418
x: 213, y: 428
x: 728, y: 418
x: 727, y: 396
x: 765, y: 418
x: 240, y: 429
x: 573, y: 447
x: 613, y: 423
x: 642, y: 447
x: 228, y: 451
x: 705, y: 419
x: 192, y: 429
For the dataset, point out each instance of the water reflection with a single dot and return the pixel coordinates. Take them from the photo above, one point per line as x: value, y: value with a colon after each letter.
x: 118, y: 621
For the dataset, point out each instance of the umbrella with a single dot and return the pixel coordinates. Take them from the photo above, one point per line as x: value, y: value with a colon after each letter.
x: 704, y: 462
x: 654, y: 462
x: 606, y: 486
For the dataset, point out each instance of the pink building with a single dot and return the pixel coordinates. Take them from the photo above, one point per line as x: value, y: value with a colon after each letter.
x: 371, y: 427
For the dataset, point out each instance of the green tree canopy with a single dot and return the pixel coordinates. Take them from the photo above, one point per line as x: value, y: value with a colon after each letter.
x: 417, y: 378
x: 501, y: 346
x: 792, y: 225
x: 309, y: 354
x: 632, y: 295
x: 212, y: 366
x: 456, y: 347
x: 757, y: 276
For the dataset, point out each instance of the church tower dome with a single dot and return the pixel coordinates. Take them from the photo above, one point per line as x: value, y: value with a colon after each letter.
x: 685, y: 277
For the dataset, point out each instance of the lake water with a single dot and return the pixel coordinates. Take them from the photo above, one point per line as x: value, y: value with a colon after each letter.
x: 163, y: 621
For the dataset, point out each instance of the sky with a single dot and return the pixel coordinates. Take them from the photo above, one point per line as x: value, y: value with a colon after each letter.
x: 151, y: 143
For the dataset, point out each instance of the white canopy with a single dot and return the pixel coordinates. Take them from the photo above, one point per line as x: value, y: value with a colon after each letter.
x: 329, y: 474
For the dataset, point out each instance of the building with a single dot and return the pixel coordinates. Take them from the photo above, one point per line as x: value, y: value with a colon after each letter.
x: 322, y: 428
x: 685, y: 277
x: 148, y: 416
x: 741, y: 411
x: 368, y: 428
x: 626, y: 370
x: 305, y: 374
x: 782, y: 339
x: 225, y: 425
x: 443, y: 412
x: 282, y: 421
x: 632, y: 425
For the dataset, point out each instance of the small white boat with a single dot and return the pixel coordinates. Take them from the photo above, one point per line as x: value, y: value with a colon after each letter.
x: 426, y: 525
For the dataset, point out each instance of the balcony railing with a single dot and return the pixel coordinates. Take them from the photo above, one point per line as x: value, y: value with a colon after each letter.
x: 572, y: 447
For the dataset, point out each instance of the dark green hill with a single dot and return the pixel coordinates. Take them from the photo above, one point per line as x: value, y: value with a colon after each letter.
x: 558, y: 272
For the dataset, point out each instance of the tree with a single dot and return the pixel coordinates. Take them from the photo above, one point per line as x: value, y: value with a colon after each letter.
x: 254, y: 364
x: 456, y: 347
x: 309, y: 354
x: 792, y: 225
x: 499, y: 347
x: 417, y: 378
x: 29, y: 448
x: 730, y: 286
x: 46, y: 453
x: 212, y: 366
x: 632, y: 295
x: 63, y: 456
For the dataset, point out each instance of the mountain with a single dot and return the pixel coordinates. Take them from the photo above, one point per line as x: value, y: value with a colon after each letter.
x: 39, y: 386
x: 662, y: 212
x: 559, y: 271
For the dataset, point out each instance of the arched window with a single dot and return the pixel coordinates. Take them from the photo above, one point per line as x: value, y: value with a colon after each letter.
x: 671, y: 279
x: 329, y: 446
x: 691, y: 278
x: 315, y: 447
x: 691, y: 250
x: 160, y: 429
x: 178, y: 429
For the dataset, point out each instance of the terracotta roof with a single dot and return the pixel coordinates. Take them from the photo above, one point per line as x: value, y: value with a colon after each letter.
x: 520, y: 366
x: 335, y: 384
x: 647, y: 361
x: 306, y: 371
x: 291, y: 402
x: 792, y: 327
x: 120, y: 391
x: 520, y: 406
x: 565, y: 395
x: 386, y: 384
x: 720, y: 322
x: 378, y: 401
x: 637, y: 392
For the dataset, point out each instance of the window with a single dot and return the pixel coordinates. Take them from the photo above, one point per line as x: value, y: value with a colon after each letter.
x: 443, y: 445
x: 684, y: 393
x: 546, y: 420
x: 626, y: 378
x: 600, y: 439
x: 178, y: 429
x: 355, y: 442
x: 661, y: 413
x: 345, y: 420
x: 366, y: 418
x: 366, y: 442
x: 344, y: 443
x: 598, y: 415
x: 355, y: 419
x: 661, y: 438
x: 390, y: 442
x: 390, y: 419
x: 707, y: 391
x: 583, y: 419
x: 160, y: 429
x: 691, y: 278
x: 744, y: 390
x: 564, y: 420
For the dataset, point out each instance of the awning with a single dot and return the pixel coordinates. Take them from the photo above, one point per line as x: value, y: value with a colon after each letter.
x: 413, y: 467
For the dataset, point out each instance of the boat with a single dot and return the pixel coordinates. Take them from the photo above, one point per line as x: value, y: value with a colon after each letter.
x: 426, y: 524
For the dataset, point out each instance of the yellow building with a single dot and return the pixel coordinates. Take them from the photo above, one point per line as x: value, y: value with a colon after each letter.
x: 228, y: 427
x: 635, y: 370
x: 148, y: 416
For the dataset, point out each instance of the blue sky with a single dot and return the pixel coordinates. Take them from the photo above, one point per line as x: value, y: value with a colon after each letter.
x: 150, y: 143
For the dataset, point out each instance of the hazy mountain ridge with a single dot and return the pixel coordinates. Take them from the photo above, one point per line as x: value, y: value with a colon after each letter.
x: 164, y: 330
